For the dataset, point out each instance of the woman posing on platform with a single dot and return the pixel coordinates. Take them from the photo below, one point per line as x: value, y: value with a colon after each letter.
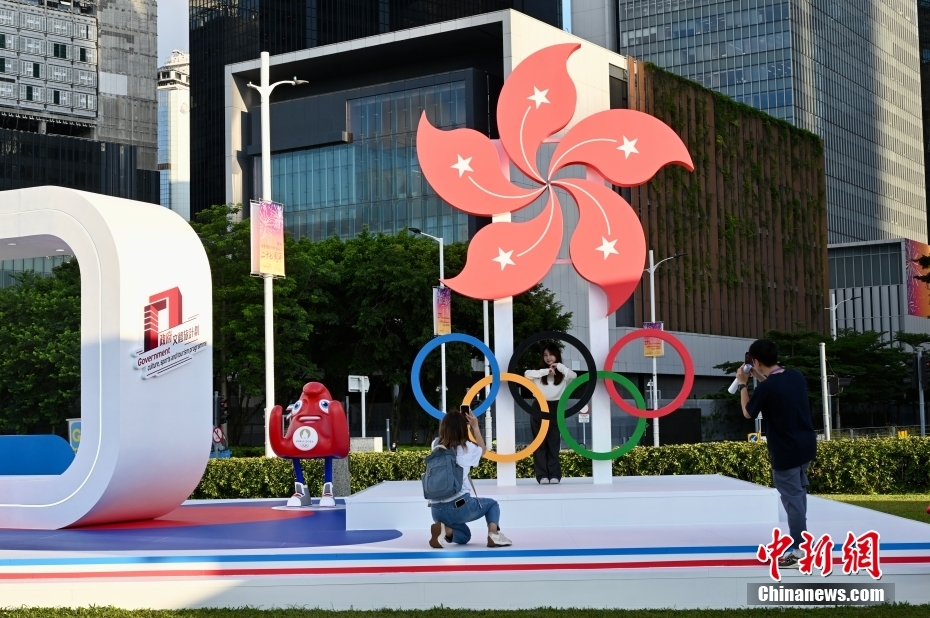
x: 551, y: 378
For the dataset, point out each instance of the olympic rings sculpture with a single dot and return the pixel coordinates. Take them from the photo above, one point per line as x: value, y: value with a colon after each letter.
x: 563, y: 411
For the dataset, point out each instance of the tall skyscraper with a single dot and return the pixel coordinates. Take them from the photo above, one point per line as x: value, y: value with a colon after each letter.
x: 174, y: 134
x: 77, y: 101
x: 229, y: 31
x: 847, y: 71
x: 923, y: 33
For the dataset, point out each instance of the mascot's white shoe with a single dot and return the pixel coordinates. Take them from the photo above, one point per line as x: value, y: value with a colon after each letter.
x: 301, y: 496
x: 327, y: 498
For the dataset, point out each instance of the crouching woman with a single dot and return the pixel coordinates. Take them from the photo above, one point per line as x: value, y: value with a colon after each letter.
x: 451, y: 516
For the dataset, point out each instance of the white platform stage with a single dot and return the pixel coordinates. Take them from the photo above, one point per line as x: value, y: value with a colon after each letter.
x: 578, y: 503
x: 580, y: 562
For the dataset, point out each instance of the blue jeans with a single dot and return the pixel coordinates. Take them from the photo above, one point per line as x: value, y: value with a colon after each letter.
x: 457, y: 518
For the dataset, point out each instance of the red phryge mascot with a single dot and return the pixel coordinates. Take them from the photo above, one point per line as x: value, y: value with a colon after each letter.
x: 318, y: 429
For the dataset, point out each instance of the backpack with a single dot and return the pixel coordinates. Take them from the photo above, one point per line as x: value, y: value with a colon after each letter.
x: 444, y: 476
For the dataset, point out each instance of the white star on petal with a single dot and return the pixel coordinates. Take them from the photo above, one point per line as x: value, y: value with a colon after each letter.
x: 463, y: 165
x: 539, y: 97
x: 607, y: 247
x: 628, y: 147
x: 504, y: 258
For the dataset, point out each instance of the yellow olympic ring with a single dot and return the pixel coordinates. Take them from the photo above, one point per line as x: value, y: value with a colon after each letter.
x: 543, y: 404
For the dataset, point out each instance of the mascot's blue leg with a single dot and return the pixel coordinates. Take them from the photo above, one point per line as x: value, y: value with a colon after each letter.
x: 301, y: 496
x: 327, y: 469
x: 327, y: 499
x: 298, y: 471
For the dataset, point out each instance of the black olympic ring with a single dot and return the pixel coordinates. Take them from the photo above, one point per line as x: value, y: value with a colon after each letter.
x: 590, y: 386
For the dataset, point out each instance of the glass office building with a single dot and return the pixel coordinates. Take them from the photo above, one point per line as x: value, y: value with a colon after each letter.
x: 847, y: 71
x: 228, y: 31
x: 375, y: 181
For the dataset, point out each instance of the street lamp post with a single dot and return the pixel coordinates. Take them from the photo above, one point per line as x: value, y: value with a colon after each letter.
x: 652, y: 317
x: 832, y: 309
x: 265, y: 91
x: 442, y: 275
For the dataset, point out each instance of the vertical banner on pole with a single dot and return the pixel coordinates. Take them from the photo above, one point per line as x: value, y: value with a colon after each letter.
x: 267, y: 226
x: 442, y: 311
x: 653, y: 347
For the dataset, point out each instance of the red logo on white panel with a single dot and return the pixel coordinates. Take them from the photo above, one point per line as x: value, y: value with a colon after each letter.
x: 168, y: 341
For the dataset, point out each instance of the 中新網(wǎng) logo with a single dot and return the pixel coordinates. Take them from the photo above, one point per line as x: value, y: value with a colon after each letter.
x: 168, y: 341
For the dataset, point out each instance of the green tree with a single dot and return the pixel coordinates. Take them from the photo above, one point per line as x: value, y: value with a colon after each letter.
x: 239, y: 317
x: 876, y: 366
x: 380, y: 311
x: 40, y: 351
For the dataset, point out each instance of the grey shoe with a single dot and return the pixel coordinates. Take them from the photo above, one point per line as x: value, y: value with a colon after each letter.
x: 788, y: 561
x: 542, y: 481
x: 554, y: 481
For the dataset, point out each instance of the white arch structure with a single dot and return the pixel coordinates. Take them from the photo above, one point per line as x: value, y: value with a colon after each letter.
x: 145, y: 432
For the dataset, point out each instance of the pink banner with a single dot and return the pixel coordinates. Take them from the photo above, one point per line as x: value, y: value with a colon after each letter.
x: 918, y: 292
x: 267, y: 219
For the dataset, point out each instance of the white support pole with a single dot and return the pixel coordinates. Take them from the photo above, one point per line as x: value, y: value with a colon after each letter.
x: 599, y: 344
x: 503, y: 350
x: 488, y: 423
x: 363, y: 390
x: 920, y: 391
x: 269, y: 281
x: 442, y: 275
x: 264, y: 90
x: 655, y: 378
x: 825, y: 391
x: 833, y: 315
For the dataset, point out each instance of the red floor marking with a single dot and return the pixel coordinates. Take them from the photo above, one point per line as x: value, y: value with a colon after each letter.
x: 376, y: 570
x: 205, y: 516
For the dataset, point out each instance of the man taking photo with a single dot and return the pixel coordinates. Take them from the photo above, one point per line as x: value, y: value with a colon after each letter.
x: 781, y: 398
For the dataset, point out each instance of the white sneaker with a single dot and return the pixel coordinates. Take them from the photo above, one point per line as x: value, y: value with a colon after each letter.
x: 553, y: 481
x: 543, y: 481
x: 497, y: 539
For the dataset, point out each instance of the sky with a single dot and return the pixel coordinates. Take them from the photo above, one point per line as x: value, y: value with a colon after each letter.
x: 173, y: 27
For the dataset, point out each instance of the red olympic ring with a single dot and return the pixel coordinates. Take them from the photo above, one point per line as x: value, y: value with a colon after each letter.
x: 685, y: 358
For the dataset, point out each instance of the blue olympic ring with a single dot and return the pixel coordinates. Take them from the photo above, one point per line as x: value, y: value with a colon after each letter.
x: 454, y: 338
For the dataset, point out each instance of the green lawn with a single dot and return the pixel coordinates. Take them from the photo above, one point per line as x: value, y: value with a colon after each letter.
x: 887, y: 611
x: 909, y: 506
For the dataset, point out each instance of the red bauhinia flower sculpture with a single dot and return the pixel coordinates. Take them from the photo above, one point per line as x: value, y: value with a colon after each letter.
x: 626, y: 147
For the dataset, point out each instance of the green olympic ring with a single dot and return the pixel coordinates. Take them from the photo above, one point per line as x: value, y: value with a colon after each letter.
x: 629, y: 444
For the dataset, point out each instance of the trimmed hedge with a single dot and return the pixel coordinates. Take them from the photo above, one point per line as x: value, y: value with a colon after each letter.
x: 866, y: 466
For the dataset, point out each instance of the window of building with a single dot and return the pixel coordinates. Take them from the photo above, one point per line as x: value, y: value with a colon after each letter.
x: 87, y: 78
x: 6, y: 90
x: 33, y: 22
x: 30, y: 93
x: 60, y: 50
x: 32, y: 46
x: 865, y: 266
x: 375, y: 181
x: 7, y: 17
x: 3, y: 65
x: 60, y: 27
x: 59, y: 74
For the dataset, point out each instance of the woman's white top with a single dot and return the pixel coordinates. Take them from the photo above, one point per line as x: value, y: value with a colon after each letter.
x: 552, y: 392
x: 466, y: 456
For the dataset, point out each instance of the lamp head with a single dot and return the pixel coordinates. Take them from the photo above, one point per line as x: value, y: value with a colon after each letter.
x: 415, y: 230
